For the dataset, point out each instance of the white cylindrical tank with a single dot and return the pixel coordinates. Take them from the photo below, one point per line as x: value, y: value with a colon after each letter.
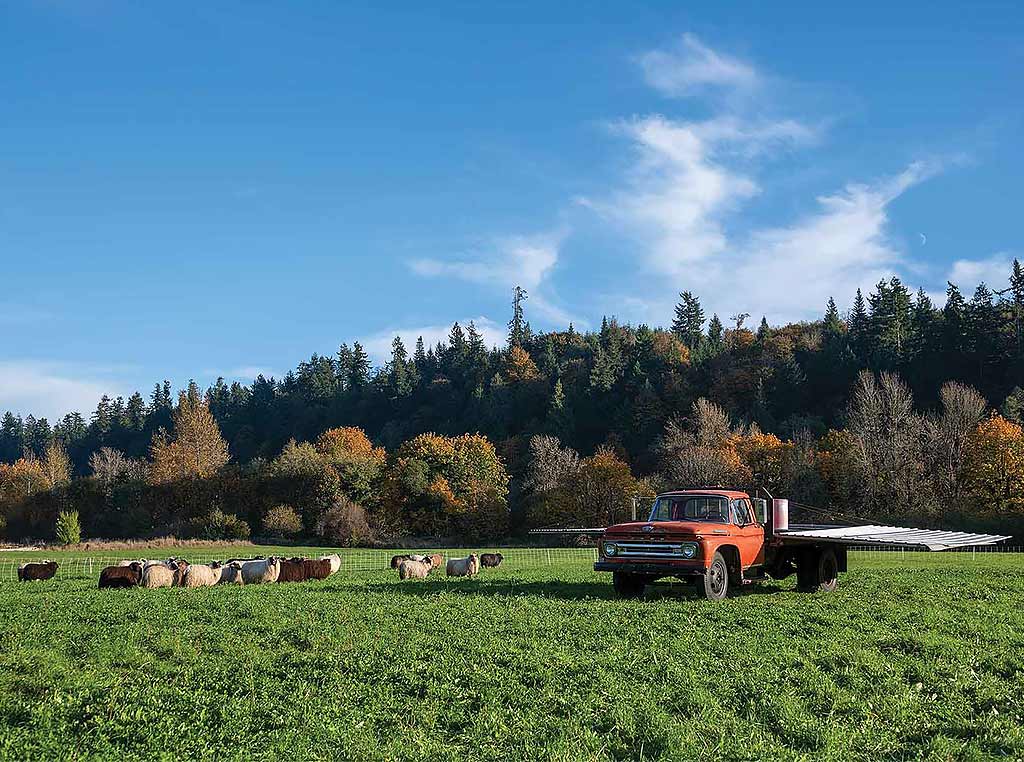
x: 780, y: 514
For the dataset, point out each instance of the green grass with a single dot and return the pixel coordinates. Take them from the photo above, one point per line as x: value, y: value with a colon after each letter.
x: 923, y: 659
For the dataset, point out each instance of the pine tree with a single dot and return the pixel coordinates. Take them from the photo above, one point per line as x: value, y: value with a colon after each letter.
x: 400, y: 380
x: 922, y: 339
x: 359, y: 369
x: 954, y: 320
x: 688, y: 324
x: 1017, y: 306
x: 832, y: 324
x: 716, y: 336
x: 858, y: 322
x: 764, y: 331
x: 519, y: 332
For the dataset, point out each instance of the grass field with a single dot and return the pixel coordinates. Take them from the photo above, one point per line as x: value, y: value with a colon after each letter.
x: 915, y: 657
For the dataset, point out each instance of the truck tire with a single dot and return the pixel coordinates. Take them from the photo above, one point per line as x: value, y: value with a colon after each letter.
x: 818, y: 571
x: 714, y: 585
x: 628, y: 585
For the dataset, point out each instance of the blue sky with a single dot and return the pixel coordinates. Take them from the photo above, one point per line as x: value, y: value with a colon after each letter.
x: 194, y: 190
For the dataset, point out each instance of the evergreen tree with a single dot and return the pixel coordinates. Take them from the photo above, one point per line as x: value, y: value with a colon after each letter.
x: 1017, y: 306
x: 359, y: 369
x: 832, y: 324
x: 716, y: 336
x: 400, y: 381
x: 764, y: 331
x: 954, y: 320
x: 859, y: 327
x: 519, y: 332
x: 688, y: 324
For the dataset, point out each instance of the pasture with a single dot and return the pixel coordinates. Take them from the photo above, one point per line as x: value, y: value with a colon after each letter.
x: 919, y: 656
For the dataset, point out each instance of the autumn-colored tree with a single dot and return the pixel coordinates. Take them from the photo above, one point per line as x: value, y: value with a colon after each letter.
x: 359, y: 464
x: 767, y: 458
x: 305, y: 479
x: 282, y: 521
x: 196, y: 448
x: 519, y: 366
x: 440, y: 485
x: 56, y: 465
x: 995, y: 464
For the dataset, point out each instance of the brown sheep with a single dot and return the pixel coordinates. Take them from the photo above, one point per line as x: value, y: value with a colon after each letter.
x: 292, y: 570
x: 316, y: 569
x: 492, y: 560
x: 121, y: 576
x: 436, y: 560
x: 37, y: 570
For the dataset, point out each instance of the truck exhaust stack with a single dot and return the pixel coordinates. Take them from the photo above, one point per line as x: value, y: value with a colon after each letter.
x: 780, y: 514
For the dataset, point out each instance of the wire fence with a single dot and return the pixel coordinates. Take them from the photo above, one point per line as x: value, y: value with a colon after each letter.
x: 357, y: 560
x: 352, y: 559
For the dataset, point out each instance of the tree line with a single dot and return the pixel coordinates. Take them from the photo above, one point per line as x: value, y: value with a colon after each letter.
x: 892, y: 409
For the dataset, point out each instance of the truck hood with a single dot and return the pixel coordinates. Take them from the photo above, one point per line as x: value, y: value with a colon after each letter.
x: 662, y: 530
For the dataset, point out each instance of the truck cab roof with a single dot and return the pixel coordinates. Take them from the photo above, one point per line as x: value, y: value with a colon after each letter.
x: 731, y: 494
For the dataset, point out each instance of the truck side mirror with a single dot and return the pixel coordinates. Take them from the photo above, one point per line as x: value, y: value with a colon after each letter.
x: 761, y: 510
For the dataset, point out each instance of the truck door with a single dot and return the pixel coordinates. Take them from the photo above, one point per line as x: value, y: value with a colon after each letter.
x: 748, y: 533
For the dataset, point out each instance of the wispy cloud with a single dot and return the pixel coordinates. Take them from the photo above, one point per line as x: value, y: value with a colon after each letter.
x: 691, y: 67
x: 50, y: 389
x: 378, y: 345
x: 508, y: 261
x: 993, y: 271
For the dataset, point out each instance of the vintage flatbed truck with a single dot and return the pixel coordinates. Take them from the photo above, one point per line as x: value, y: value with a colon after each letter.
x: 722, y: 539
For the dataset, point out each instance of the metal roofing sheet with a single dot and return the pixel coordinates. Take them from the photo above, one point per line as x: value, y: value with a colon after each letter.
x: 933, y: 539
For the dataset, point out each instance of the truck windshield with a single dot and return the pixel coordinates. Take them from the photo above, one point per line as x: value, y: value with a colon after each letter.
x: 691, y: 508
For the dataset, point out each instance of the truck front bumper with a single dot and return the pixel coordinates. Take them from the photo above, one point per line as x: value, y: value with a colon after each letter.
x: 653, y: 569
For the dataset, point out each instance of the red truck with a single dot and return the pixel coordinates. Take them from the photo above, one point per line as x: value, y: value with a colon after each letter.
x: 722, y: 539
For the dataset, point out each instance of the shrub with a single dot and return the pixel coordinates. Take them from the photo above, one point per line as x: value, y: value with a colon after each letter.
x: 68, y: 530
x: 345, y: 523
x: 282, y: 521
x: 217, y: 526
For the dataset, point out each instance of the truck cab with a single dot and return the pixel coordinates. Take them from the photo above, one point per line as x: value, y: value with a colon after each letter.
x: 715, y: 538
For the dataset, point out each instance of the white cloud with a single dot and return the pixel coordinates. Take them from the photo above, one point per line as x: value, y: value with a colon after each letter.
x: 378, y: 345
x: 994, y: 272
x: 692, y: 67
x: 49, y: 389
x: 681, y: 187
x: 789, y: 272
x: 526, y: 261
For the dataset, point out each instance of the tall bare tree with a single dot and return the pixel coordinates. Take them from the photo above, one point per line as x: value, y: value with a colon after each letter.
x: 949, y: 434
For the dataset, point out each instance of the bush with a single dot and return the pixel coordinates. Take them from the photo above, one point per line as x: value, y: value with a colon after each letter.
x: 345, y: 523
x: 68, y: 530
x: 217, y: 526
x: 282, y: 521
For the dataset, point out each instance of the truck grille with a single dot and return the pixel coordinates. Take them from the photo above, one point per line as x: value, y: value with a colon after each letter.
x: 648, y: 550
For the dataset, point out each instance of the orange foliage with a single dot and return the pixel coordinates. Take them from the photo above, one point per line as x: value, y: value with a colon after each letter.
x: 764, y: 455
x: 995, y: 464
x: 520, y: 367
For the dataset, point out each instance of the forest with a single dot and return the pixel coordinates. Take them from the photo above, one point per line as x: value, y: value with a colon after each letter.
x: 894, y: 409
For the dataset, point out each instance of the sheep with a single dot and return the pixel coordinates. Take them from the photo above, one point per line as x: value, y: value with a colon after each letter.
x: 121, y: 576
x: 159, y: 575
x: 491, y: 560
x: 335, y: 560
x: 231, y: 574
x: 292, y: 570
x: 319, y: 569
x: 36, y: 570
x: 409, y: 569
x: 436, y: 560
x: 463, y: 567
x: 201, y: 575
x: 258, y: 572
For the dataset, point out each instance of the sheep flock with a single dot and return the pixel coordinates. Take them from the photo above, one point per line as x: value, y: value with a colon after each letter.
x: 177, y: 572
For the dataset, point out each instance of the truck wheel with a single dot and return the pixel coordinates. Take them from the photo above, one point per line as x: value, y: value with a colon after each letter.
x: 628, y: 585
x: 818, y: 571
x: 715, y: 583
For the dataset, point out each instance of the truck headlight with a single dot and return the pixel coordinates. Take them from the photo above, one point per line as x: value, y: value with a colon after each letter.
x: 689, y: 549
x: 610, y: 549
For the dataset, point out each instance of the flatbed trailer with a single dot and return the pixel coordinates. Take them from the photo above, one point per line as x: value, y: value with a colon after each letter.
x: 722, y: 539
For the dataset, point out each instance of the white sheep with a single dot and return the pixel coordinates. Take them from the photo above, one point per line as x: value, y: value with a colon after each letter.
x: 159, y: 575
x: 463, y: 567
x: 264, y: 570
x: 409, y: 569
x: 201, y: 575
x: 335, y: 560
